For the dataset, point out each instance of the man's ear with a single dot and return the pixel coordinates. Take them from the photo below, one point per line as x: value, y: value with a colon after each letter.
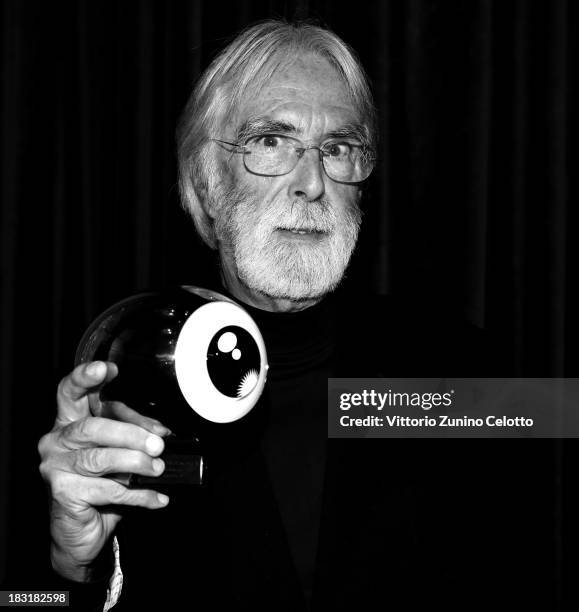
x: 207, y: 186
x: 201, y: 190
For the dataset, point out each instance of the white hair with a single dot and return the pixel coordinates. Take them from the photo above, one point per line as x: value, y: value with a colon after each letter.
x: 247, y: 64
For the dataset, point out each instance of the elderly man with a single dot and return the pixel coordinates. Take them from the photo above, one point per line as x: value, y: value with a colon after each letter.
x: 274, y: 146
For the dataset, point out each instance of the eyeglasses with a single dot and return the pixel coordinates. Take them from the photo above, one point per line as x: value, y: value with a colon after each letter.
x: 344, y: 161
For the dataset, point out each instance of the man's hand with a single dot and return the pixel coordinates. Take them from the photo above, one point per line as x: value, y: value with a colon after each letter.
x: 89, y: 440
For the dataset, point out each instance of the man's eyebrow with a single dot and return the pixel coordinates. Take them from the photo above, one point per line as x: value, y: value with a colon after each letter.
x: 351, y: 130
x: 262, y: 125
x: 257, y: 127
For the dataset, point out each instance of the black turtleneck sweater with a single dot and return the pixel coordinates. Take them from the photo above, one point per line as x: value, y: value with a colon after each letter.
x: 300, y: 349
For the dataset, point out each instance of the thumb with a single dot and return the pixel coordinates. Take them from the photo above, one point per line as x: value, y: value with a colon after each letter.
x: 73, y: 389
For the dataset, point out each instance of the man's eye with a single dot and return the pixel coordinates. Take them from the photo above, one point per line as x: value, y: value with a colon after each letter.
x: 338, y: 149
x: 268, y: 141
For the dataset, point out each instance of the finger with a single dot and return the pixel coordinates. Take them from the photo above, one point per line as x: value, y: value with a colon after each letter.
x: 74, y: 388
x: 104, y: 492
x: 121, y: 412
x: 103, y: 461
x: 98, y: 431
x: 94, y: 400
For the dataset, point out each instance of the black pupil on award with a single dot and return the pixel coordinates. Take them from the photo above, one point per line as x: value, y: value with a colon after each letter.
x: 233, y: 361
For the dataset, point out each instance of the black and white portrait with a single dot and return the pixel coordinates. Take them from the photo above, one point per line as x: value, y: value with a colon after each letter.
x: 346, y: 191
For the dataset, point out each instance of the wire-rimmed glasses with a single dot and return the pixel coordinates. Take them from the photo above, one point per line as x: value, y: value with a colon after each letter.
x: 344, y: 160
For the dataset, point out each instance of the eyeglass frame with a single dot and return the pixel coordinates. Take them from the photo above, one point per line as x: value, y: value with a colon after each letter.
x: 300, y: 150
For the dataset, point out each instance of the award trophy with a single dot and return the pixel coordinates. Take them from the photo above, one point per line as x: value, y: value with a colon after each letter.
x: 189, y: 357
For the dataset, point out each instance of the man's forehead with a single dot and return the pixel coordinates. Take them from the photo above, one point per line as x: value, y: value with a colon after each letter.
x: 297, y: 93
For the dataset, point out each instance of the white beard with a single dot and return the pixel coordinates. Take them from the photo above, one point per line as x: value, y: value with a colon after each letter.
x: 283, y: 268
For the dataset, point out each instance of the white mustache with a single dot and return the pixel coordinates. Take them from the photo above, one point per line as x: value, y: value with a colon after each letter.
x: 299, y: 216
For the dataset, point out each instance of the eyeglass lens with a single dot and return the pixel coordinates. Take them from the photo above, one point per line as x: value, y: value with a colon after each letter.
x: 278, y: 155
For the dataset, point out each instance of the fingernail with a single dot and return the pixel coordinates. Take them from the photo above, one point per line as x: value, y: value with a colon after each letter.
x: 154, y: 445
x: 95, y: 368
x: 163, y: 499
x: 157, y: 465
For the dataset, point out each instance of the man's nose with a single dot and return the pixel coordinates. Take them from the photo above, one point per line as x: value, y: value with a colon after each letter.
x: 307, y: 178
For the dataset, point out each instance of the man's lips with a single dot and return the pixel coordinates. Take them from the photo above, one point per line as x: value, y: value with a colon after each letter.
x: 301, y: 230
x: 301, y: 233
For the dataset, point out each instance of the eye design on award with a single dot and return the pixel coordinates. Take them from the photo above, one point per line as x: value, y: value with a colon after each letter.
x: 223, y: 346
x: 233, y: 362
x: 188, y: 357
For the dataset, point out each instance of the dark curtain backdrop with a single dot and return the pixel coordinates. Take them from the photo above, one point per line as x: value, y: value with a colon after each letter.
x: 472, y: 207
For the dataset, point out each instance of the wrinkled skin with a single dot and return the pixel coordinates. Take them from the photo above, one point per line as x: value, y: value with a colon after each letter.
x: 89, y: 441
